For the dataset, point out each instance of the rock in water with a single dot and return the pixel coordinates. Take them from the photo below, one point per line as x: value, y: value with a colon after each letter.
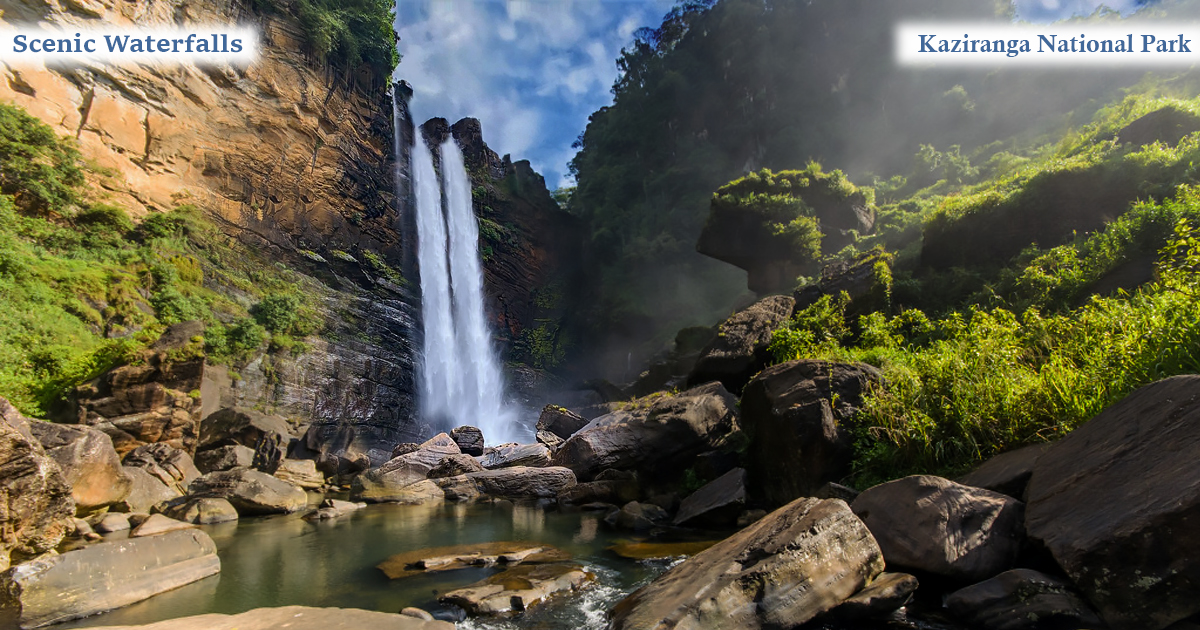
x: 560, y: 421
x: 1022, y: 599
x: 201, y: 511
x: 88, y: 460
x: 655, y: 434
x: 884, y: 595
x: 251, y: 492
x: 300, y: 472
x: 739, y: 350
x: 35, y: 498
x: 58, y: 588
x: 469, y: 440
x: 796, y: 563
x: 798, y: 416
x: 1117, y: 502
x: 517, y: 589
x: 935, y: 525
x: 509, y: 455
x: 717, y: 504
x: 514, y: 483
x: 296, y: 618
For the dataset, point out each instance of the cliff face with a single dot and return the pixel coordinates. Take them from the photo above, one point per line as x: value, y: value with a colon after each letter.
x: 288, y: 157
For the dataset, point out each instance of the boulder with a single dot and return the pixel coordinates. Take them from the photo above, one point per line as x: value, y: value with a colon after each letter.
x: 1022, y: 599
x: 657, y: 435
x: 168, y: 464
x: 799, y: 416
x: 455, y: 557
x: 517, y: 589
x: 388, y: 482
x: 158, y: 524
x: 514, y: 483
x: 509, y: 455
x: 35, y: 497
x: 423, y: 491
x: 114, y: 522
x: 798, y: 562
x: 935, y: 525
x: 739, y: 350
x: 296, y: 618
x: 300, y: 472
x: 333, y: 508
x: 225, y: 457
x: 145, y: 492
x: 266, y: 435
x: 469, y: 440
x: 75, y: 584
x: 87, y: 458
x: 251, y: 492
x: 560, y: 421
x: 883, y: 596
x: 201, y: 511
x: 1117, y: 500
x: 717, y: 504
x: 617, y: 491
x: 637, y: 516
x: 454, y: 465
x: 1007, y: 473
x: 550, y: 440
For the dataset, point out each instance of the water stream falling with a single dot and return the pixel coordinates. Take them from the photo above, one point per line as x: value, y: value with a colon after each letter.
x: 460, y: 378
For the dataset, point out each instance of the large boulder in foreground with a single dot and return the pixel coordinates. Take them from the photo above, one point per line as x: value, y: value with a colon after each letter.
x: 35, y: 497
x: 796, y: 563
x: 251, y: 492
x: 88, y: 460
x: 798, y: 416
x: 935, y: 525
x: 1117, y: 502
x: 1022, y: 599
x: 295, y: 618
x: 653, y: 435
x: 58, y: 588
x: 739, y: 350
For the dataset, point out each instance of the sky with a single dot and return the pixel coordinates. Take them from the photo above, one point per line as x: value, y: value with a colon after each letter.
x: 532, y: 71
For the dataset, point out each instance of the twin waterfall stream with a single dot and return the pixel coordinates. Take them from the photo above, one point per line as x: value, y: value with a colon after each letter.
x: 460, y: 378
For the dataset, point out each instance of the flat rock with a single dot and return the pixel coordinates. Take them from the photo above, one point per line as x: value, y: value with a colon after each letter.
x: 295, y: 618
x: 657, y: 435
x: 1117, y: 500
x: 57, y: 588
x: 509, y: 455
x: 513, y: 483
x: 560, y: 421
x: 933, y: 524
x: 158, y: 524
x: 251, y: 492
x: 38, y: 504
x: 201, y: 510
x: 89, y: 461
x: 1022, y: 599
x: 1007, y: 473
x: 796, y: 563
x: 718, y: 503
x: 300, y: 472
x: 454, y: 557
x: 114, y: 522
x: 739, y: 350
x: 517, y: 589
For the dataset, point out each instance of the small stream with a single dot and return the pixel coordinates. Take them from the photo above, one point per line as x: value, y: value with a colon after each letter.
x: 285, y: 560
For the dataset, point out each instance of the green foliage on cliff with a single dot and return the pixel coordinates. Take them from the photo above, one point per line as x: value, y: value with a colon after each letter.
x: 84, y: 288
x: 345, y: 33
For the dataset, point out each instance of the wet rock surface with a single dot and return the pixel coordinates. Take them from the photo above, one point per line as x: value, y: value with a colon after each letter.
x: 518, y: 589
x: 454, y: 557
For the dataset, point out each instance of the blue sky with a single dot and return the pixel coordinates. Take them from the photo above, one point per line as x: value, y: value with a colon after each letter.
x: 533, y: 70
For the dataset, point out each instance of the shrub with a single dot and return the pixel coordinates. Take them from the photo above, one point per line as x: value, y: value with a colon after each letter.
x: 277, y: 313
x: 37, y: 168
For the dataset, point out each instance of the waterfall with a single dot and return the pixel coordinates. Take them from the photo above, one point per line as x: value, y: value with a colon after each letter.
x: 460, y: 378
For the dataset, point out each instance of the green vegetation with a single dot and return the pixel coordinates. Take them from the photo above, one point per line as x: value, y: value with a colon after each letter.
x: 85, y: 288
x: 344, y: 33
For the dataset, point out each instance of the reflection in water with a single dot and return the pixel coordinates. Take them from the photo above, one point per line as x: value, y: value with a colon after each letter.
x: 284, y: 560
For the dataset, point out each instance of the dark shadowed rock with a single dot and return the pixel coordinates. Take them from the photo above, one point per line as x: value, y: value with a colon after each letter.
x: 656, y: 435
x: 796, y: 563
x: 201, y: 511
x: 881, y: 597
x: 798, y: 416
x: 509, y: 455
x: 87, y: 458
x: 454, y: 465
x: 1007, y: 473
x: 145, y: 491
x: 1022, y: 599
x: 933, y: 524
x: 517, y: 483
x: 168, y: 464
x: 35, y: 497
x: 739, y: 350
x: 251, y: 492
x: 1117, y: 500
x: 637, y: 516
x: 296, y: 618
x: 717, y: 504
x: 266, y: 435
x: 58, y: 588
x: 469, y: 440
x: 618, y: 491
x: 560, y: 421
x: 224, y: 458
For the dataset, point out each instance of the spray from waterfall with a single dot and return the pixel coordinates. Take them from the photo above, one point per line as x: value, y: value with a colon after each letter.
x: 460, y: 377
